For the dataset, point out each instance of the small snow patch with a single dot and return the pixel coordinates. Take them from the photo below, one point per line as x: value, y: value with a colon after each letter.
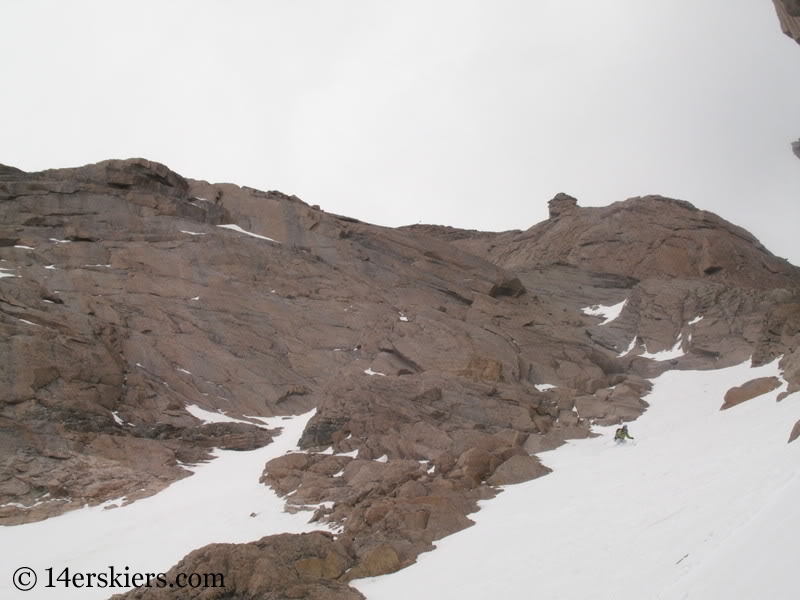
x: 543, y: 387
x: 29, y: 323
x: 59, y: 241
x: 383, y: 458
x: 25, y: 247
x: 371, y: 372
x: 609, y: 313
x: 185, y: 371
x: 675, y: 352
x: 208, y: 416
x: 630, y: 347
x: 192, y: 232
x: 119, y: 421
x: 51, y: 267
x: 250, y: 233
x: 696, y: 320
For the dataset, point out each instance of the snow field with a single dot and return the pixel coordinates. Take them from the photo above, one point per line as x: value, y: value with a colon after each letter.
x: 701, y: 505
x: 153, y: 534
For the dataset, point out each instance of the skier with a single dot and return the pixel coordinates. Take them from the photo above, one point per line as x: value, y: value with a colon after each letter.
x: 622, y: 434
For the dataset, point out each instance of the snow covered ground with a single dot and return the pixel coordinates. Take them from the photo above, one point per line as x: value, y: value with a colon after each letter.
x: 703, y: 504
x: 151, y: 535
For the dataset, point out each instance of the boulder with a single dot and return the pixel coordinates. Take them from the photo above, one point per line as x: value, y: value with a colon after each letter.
x: 518, y: 469
x: 748, y: 391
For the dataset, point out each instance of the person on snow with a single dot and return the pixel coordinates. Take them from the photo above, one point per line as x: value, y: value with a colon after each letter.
x: 622, y: 434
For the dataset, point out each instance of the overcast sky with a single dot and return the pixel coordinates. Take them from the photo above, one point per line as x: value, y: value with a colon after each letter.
x: 464, y: 113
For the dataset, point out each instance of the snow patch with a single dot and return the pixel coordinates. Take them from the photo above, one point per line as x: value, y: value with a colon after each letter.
x: 695, y: 320
x: 543, y: 387
x: 609, y: 313
x: 630, y: 347
x: 240, y: 230
x: 371, y: 372
x: 675, y: 352
x: 25, y: 247
x: 207, y: 416
x: 383, y: 458
x: 194, y: 232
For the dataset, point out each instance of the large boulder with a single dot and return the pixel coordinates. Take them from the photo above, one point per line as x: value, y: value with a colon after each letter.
x: 747, y: 391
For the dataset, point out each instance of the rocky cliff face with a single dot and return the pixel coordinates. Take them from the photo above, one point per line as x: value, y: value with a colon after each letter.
x: 129, y: 294
x: 789, y: 15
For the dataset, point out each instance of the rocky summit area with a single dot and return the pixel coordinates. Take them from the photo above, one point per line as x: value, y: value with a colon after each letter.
x: 440, y: 361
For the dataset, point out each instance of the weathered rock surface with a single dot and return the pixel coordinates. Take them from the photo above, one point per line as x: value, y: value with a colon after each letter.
x: 643, y: 238
x: 789, y: 16
x: 747, y: 391
x: 795, y: 433
x: 425, y: 350
x: 281, y: 566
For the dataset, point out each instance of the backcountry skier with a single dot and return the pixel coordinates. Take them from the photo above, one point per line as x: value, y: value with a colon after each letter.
x: 622, y: 434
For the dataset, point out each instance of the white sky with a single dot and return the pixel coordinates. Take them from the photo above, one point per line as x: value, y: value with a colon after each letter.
x: 466, y: 113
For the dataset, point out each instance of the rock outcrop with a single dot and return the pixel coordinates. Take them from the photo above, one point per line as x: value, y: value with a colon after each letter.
x: 440, y: 360
x: 789, y: 16
x: 748, y: 391
x: 280, y: 566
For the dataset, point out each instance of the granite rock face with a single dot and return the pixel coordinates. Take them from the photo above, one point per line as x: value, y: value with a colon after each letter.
x: 789, y: 16
x: 441, y: 360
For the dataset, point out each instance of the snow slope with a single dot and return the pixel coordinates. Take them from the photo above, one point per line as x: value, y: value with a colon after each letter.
x: 151, y: 535
x: 703, y: 504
